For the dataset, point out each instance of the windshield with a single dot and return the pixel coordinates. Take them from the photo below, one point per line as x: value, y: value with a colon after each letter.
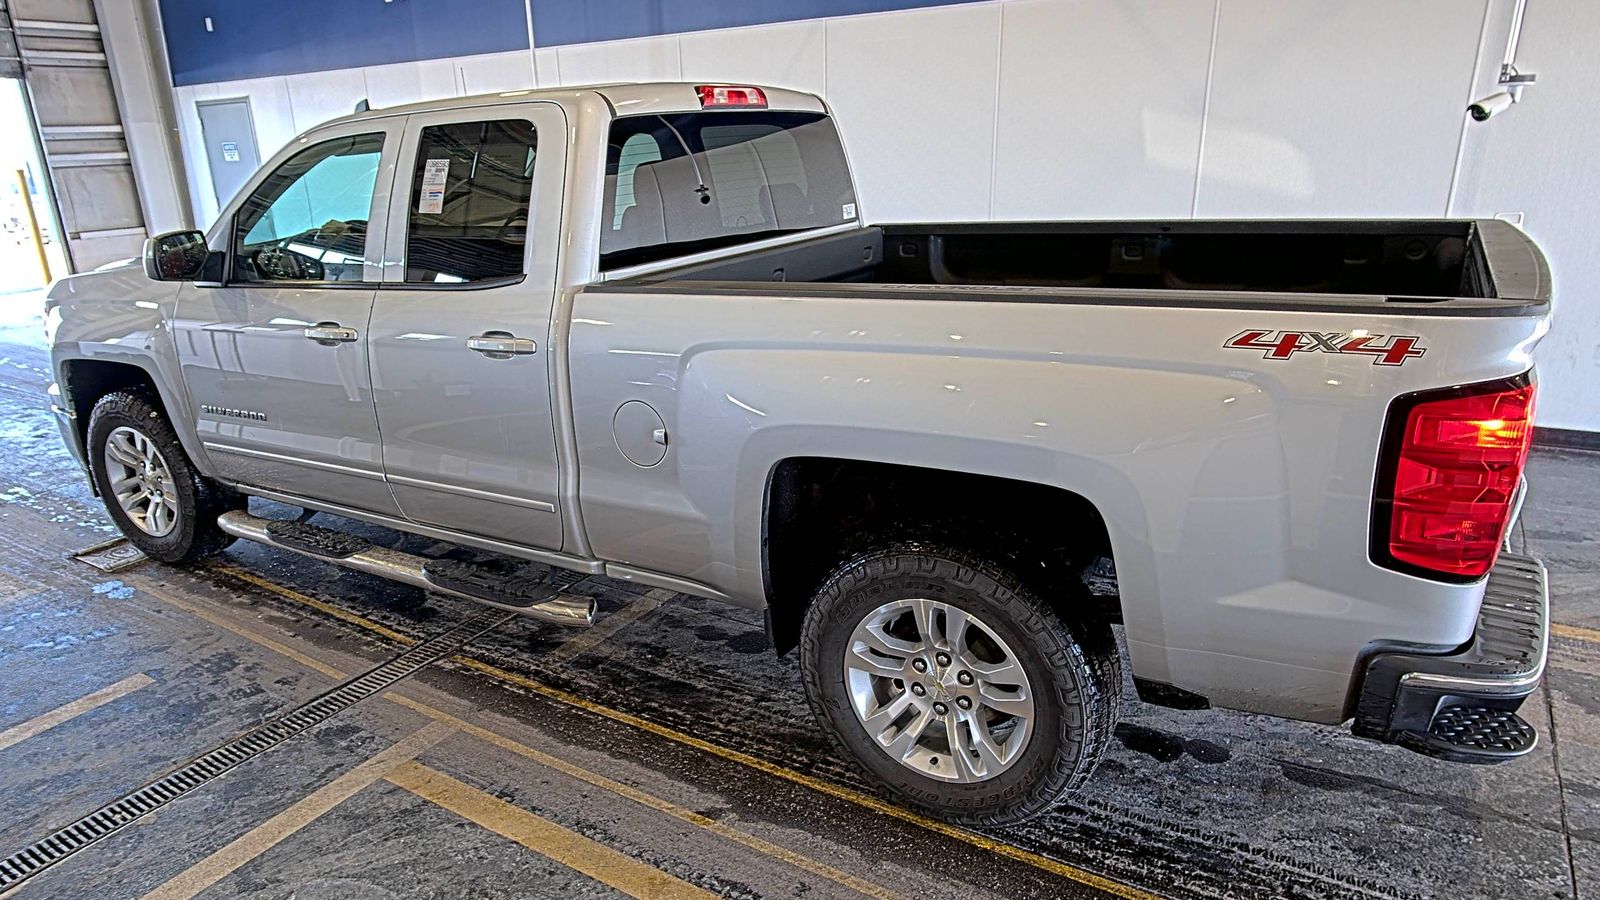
x: 687, y: 182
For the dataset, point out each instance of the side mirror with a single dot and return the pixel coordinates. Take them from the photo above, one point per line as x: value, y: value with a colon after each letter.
x: 176, y: 256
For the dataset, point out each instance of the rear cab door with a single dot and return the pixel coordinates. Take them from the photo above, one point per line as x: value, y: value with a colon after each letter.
x: 460, y: 364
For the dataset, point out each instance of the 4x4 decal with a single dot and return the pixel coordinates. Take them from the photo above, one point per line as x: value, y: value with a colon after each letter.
x: 1385, y: 350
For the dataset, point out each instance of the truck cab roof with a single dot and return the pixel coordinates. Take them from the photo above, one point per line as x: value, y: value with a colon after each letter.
x: 624, y: 98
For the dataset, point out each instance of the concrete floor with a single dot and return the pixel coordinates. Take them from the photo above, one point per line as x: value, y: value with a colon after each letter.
x: 667, y: 752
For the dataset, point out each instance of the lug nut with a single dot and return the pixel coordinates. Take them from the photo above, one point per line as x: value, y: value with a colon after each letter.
x: 940, y: 709
x: 918, y: 689
x: 921, y: 665
x: 943, y: 659
x: 965, y: 678
x: 964, y: 702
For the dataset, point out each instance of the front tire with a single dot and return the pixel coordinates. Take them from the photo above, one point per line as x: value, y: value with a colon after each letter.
x: 153, y: 493
x: 954, y: 688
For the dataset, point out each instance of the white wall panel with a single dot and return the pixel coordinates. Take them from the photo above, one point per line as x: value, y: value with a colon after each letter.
x: 640, y: 59
x: 914, y: 94
x: 495, y: 72
x: 547, y: 67
x: 1336, y: 107
x: 320, y: 96
x: 790, y: 55
x: 1100, y: 108
x: 409, y: 82
x: 1537, y: 159
x: 192, y: 146
x: 270, y: 108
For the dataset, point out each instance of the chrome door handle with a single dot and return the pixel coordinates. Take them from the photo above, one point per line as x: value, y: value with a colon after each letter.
x: 501, y: 345
x: 331, y: 334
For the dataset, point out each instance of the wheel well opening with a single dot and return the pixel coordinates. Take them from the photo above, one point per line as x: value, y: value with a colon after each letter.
x: 85, y: 381
x: 821, y: 511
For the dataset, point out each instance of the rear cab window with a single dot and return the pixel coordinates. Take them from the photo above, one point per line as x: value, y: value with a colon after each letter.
x: 467, y: 220
x: 681, y: 183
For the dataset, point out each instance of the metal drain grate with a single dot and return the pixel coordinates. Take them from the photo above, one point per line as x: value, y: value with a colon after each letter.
x: 101, y: 823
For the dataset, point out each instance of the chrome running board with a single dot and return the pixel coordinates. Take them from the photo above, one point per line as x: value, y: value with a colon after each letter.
x: 540, y: 600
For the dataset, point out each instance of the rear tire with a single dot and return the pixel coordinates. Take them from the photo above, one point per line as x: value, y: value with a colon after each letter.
x: 153, y: 493
x: 985, y: 627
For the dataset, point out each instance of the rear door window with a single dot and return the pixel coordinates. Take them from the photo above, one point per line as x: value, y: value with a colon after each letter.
x: 678, y: 184
x: 468, y: 212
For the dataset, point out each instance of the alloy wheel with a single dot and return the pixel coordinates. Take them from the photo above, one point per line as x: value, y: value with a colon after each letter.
x: 141, y: 481
x: 938, y: 690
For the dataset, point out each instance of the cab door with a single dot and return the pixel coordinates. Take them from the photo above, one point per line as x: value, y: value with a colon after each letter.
x: 461, y: 373
x: 275, y: 358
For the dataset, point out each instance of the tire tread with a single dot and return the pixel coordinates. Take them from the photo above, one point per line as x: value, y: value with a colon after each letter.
x: 202, y: 500
x: 1084, y: 651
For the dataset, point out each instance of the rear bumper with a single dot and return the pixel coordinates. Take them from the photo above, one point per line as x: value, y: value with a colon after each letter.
x: 1461, y: 706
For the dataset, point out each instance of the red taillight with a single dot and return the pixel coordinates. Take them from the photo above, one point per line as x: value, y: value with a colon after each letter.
x: 1449, y: 477
x: 729, y: 95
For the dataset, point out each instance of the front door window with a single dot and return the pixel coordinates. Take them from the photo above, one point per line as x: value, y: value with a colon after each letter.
x: 308, y: 221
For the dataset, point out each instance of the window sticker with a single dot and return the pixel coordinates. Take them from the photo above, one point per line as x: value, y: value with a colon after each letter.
x: 849, y: 210
x: 430, y: 199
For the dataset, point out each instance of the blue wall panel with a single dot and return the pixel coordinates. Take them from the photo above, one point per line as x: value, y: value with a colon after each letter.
x: 580, y: 21
x: 281, y: 37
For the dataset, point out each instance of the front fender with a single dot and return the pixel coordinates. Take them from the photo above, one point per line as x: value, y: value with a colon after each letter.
x: 118, y: 316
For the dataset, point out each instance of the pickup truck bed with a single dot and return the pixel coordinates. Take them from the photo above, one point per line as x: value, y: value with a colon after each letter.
x: 1206, y: 386
x: 1414, y: 266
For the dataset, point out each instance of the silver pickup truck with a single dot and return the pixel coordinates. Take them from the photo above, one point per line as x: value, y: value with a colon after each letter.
x: 645, y: 331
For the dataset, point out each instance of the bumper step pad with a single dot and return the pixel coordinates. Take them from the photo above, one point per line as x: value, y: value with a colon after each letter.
x: 1462, y: 706
x: 1473, y: 734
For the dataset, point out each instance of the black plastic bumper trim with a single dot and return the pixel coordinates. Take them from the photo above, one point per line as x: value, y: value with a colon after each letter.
x: 1160, y: 693
x: 1402, y: 694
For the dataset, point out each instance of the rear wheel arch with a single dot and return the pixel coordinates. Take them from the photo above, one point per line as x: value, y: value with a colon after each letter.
x: 820, y: 511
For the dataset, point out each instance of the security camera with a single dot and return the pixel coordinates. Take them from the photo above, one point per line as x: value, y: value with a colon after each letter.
x: 1490, y: 105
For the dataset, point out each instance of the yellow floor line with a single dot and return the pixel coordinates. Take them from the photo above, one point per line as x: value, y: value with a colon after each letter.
x: 1576, y: 633
x: 11, y: 588
x: 206, y: 615
x: 67, y: 712
x: 1055, y: 867
x: 607, y: 627
x: 1064, y: 870
x: 332, y: 610
x: 721, y: 829
x: 303, y: 812
x: 544, y: 837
